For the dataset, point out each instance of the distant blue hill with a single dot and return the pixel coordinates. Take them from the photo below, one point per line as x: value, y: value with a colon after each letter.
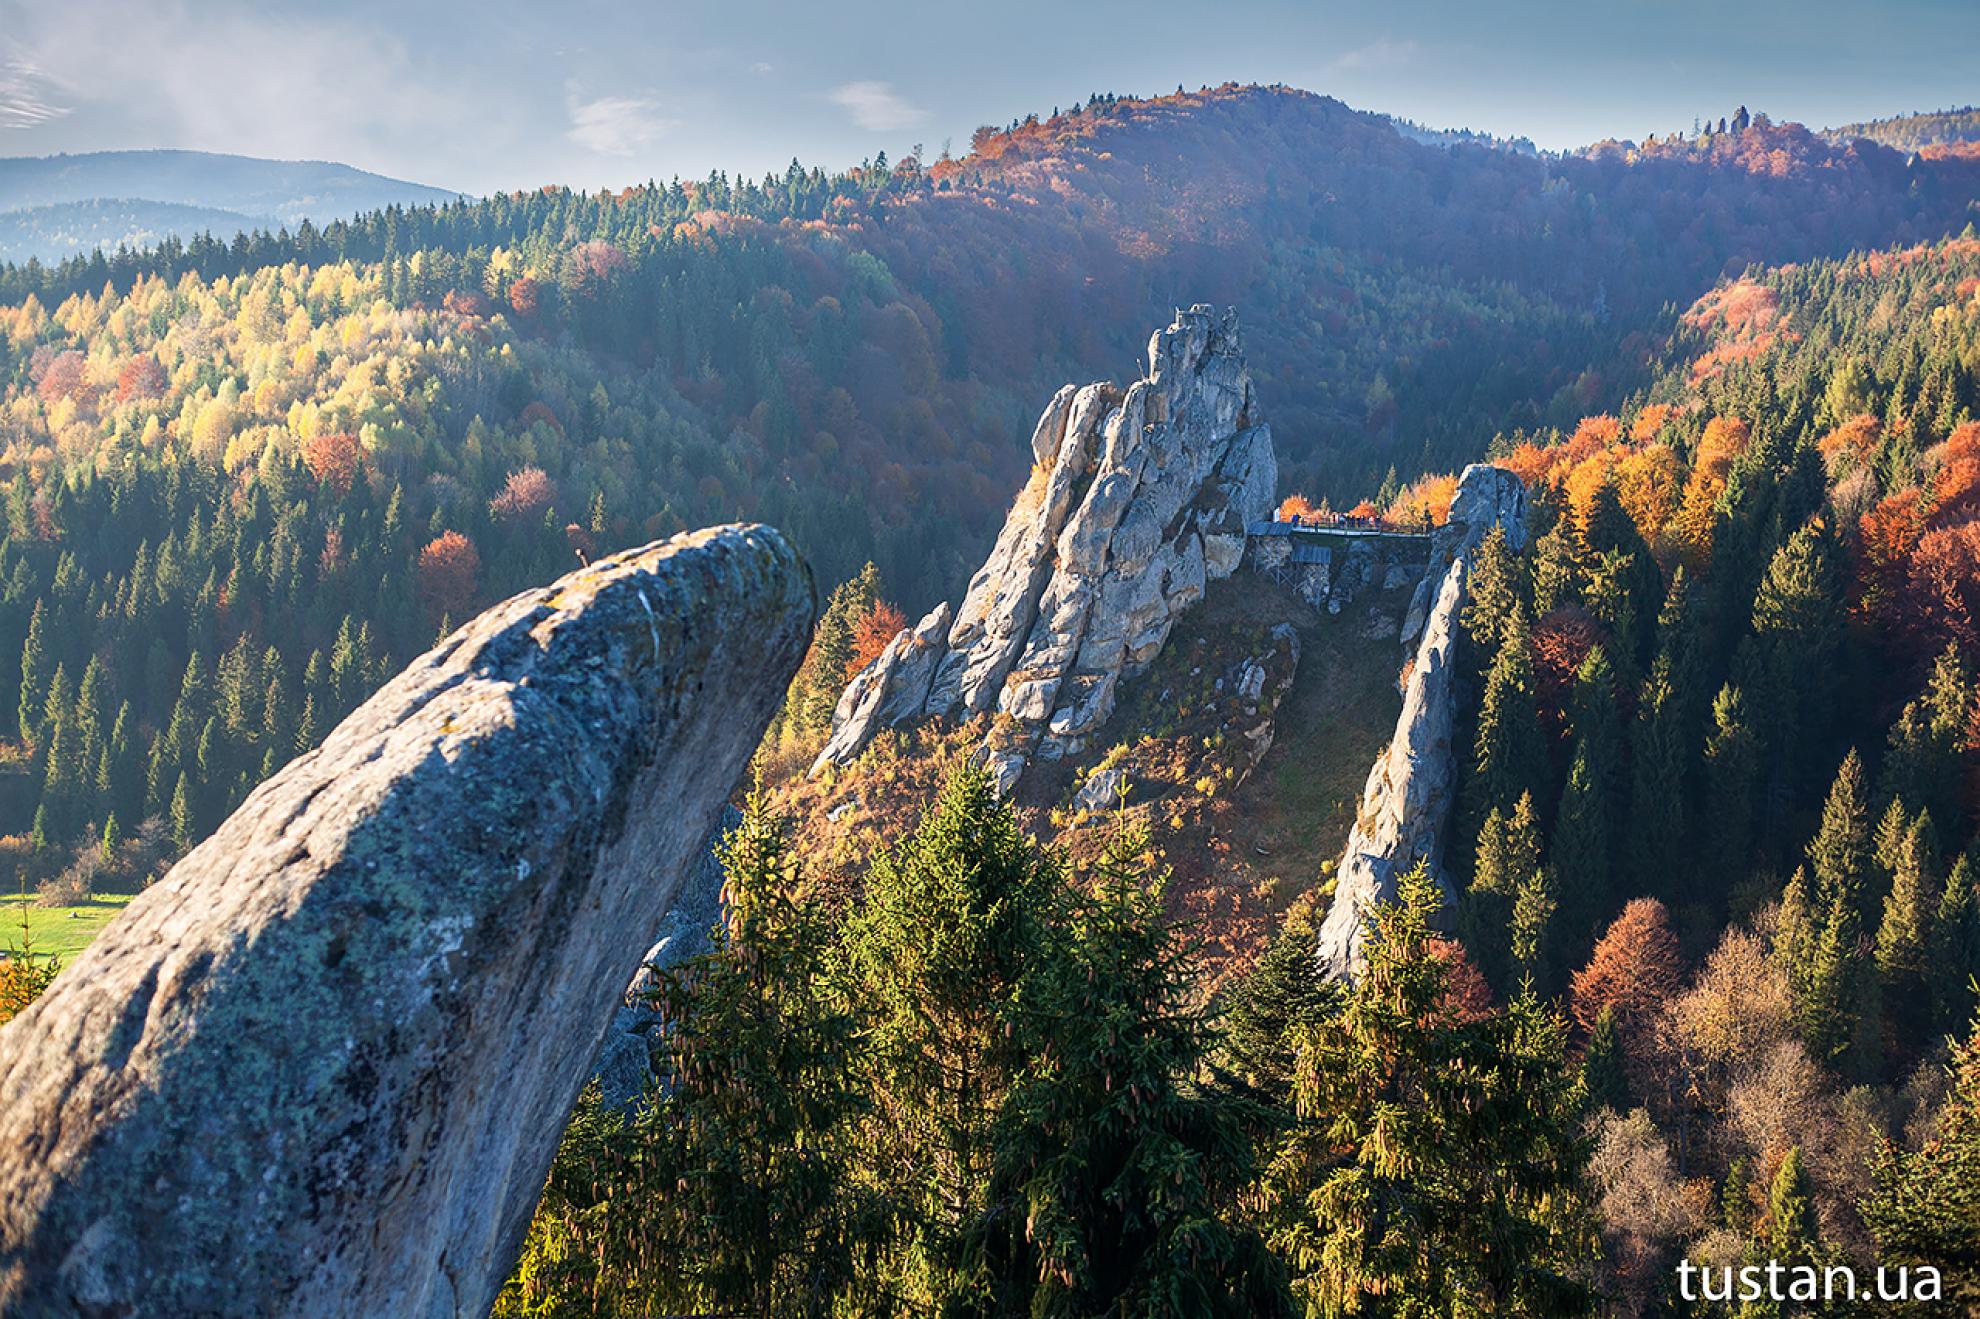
x: 58, y: 206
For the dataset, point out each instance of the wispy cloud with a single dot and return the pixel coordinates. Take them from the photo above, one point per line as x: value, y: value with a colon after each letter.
x: 876, y: 107
x: 24, y: 93
x: 762, y: 66
x: 1382, y: 54
x: 617, y: 125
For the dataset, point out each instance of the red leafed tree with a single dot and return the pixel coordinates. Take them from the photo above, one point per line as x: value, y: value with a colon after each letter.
x: 875, y: 628
x: 334, y: 460
x: 141, y: 378
x: 64, y: 377
x: 1635, y: 969
x: 522, y: 296
x: 1942, y: 597
x: 462, y: 302
x: 448, y: 567
x: 527, y: 492
x: 1466, y: 995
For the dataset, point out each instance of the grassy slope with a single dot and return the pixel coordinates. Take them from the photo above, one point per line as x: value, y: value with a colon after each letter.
x: 1241, y: 854
x: 61, y: 931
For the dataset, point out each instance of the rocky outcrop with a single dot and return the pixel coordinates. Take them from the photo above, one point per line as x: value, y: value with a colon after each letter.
x: 891, y: 690
x: 625, y: 1066
x: 321, y: 1067
x: 1486, y: 497
x: 1137, y: 500
x: 1406, y: 805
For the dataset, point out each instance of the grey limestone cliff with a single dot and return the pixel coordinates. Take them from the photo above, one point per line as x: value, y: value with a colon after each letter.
x: 321, y: 1067
x: 1138, y: 498
x: 1406, y: 805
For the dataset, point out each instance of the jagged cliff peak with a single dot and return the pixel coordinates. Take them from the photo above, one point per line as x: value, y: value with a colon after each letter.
x: 1138, y: 498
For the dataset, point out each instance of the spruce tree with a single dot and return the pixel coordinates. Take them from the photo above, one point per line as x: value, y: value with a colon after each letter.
x: 1839, y: 854
x: 1656, y: 819
x: 731, y: 1189
x: 1731, y: 776
x: 34, y: 673
x: 1904, y: 944
x: 1955, y: 951
x: 1114, y: 1173
x: 1603, y: 1071
x: 955, y: 923
x: 1491, y: 591
x: 1433, y: 1156
x: 1509, y: 756
x: 1585, y: 826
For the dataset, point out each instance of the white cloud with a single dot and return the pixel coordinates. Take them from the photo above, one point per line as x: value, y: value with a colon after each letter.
x: 1382, y: 54
x: 762, y: 66
x: 24, y: 96
x: 617, y: 125
x: 876, y: 107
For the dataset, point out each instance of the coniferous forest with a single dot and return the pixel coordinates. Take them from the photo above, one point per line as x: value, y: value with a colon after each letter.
x: 1705, y: 992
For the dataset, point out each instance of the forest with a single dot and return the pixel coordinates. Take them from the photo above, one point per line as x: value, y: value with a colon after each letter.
x: 1709, y: 990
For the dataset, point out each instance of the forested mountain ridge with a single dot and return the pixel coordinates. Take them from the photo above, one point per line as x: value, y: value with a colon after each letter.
x: 231, y: 465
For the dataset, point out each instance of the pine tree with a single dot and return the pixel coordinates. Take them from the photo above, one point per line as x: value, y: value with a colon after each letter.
x: 1433, y: 1156
x: 1556, y: 575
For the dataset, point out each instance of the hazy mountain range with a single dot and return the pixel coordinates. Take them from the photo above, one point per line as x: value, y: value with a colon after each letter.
x: 53, y: 207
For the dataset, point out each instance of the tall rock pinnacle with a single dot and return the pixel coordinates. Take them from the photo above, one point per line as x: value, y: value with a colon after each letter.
x: 1137, y: 499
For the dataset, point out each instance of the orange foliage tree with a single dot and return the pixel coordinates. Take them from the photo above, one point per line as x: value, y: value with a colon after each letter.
x: 1635, y: 969
x: 448, y: 567
x: 333, y: 460
x: 875, y: 628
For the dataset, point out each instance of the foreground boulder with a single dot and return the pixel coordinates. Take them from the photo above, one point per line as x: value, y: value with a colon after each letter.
x: 1406, y: 806
x: 1137, y: 499
x: 322, y: 1066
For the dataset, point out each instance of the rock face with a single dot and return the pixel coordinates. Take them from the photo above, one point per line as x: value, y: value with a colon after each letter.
x: 1137, y: 500
x: 321, y: 1067
x: 624, y: 1063
x: 890, y: 690
x: 1406, y: 806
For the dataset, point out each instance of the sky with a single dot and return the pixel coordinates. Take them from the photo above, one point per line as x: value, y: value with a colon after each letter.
x: 497, y: 94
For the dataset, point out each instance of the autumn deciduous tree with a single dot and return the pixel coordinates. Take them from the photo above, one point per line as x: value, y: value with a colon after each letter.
x: 141, y: 378
x: 875, y: 628
x: 448, y: 568
x: 333, y: 460
x: 528, y: 491
x: 1634, y: 971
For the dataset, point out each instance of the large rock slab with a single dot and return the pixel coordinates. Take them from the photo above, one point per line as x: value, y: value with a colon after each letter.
x: 890, y: 690
x: 1406, y: 805
x: 1407, y: 801
x: 322, y: 1066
